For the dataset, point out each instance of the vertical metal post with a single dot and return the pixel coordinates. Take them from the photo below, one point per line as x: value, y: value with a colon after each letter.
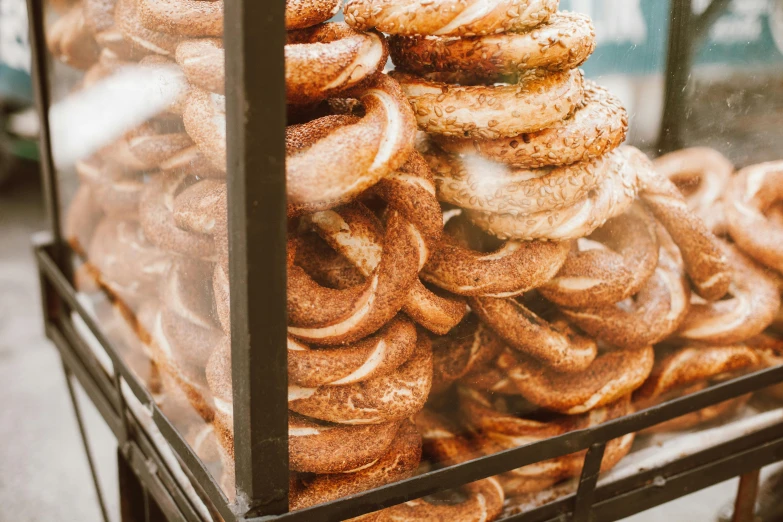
x: 256, y: 117
x: 679, y: 63
x: 747, y: 493
x: 587, y: 482
x: 41, y: 84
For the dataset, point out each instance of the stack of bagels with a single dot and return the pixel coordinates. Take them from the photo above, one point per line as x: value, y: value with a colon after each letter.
x: 474, y: 259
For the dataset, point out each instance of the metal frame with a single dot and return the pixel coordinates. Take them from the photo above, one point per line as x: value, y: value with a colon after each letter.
x: 256, y: 118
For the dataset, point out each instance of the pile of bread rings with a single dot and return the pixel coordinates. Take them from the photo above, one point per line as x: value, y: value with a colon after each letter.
x: 475, y: 261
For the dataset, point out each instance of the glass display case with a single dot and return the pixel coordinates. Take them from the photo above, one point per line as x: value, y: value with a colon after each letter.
x: 417, y: 259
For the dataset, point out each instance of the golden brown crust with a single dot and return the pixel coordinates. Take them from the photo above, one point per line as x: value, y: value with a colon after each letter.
x: 703, y: 174
x: 409, y: 191
x: 203, y: 62
x: 117, y: 192
x: 330, y: 316
x: 191, y: 18
x: 400, y: 462
x: 511, y: 270
x: 386, y: 398
x: 564, y: 42
x: 610, y: 377
x: 754, y: 303
x: 597, y: 127
x: 306, y: 13
x: 627, y: 257
x: 498, y: 429
x: 653, y: 314
x: 615, y: 194
x: 81, y: 219
x: 554, y: 344
x: 332, y: 165
x: 447, y: 17
x: 128, y: 19
x: 328, y: 59
x: 752, y: 193
x: 704, y: 262
x: 493, y: 111
x: 156, y: 211
x: 376, y: 355
x: 469, y: 347
x: 483, y: 499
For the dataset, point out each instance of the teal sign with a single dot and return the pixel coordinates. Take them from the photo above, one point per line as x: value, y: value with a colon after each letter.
x: 632, y: 34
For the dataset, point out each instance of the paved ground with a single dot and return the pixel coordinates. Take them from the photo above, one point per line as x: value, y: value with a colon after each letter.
x: 43, y: 473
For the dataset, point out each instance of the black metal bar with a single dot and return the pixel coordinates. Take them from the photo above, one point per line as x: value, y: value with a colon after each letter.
x: 132, y: 498
x: 35, y: 13
x: 587, y: 482
x: 86, y: 380
x: 100, y: 386
x: 256, y: 117
x: 86, y: 443
x: 457, y: 475
x: 721, y: 469
x: 147, y: 472
x: 747, y: 493
x: 679, y: 63
x: 632, y: 495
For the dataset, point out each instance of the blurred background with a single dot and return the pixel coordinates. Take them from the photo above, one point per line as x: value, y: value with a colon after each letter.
x: 737, y: 85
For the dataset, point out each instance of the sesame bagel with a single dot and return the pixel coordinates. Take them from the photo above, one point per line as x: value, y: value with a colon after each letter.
x: 689, y: 369
x: 753, y: 305
x: 610, y: 265
x: 330, y: 58
x: 127, y: 263
x: 615, y: 194
x: 399, y: 463
x: 203, y: 61
x: 499, y: 427
x: 129, y: 22
x: 653, y: 314
x: 117, y: 192
x: 597, y: 127
x: 703, y: 175
x: 514, y: 268
x: 477, y: 184
x: 447, y: 17
x: 376, y: 355
x: 306, y: 13
x: 328, y: 316
x: 386, y: 398
x: 752, y: 193
x: 313, y: 446
x: 482, y: 500
x: 469, y: 347
x: 554, y: 344
x: 563, y: 42
x: 358, y: 236
x: 535, y: 102
x: 190, y: 18
x: 205, y: 121
x: 613, y: 375
x: 331, y: 160
x: 71, y: 41
x: 156, y: 211
x: 704, y: 261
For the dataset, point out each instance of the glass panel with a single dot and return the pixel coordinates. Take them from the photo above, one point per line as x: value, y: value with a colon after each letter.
x: 482, y: 253
x: 514, y: 220
x: 136, y: 140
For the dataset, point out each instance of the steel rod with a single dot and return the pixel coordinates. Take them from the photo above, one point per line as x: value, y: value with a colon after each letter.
x: 587, y: 482
x: 255, y: 39
x: 747, y: 493
x: 86, y: 443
